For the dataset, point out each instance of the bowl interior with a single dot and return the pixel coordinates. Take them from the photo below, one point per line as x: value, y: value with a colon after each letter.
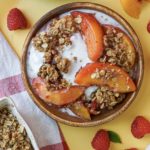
x: 108, y: 15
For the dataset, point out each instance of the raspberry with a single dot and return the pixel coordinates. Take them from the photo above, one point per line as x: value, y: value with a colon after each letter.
x: 148, y: 27
x: 16, y: 20
x: 140, y: 127
x: 101, y: 140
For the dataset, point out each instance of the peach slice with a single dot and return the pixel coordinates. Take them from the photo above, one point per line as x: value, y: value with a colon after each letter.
x: 80, y: 110
x: 132, y: 7
x: 130, y: 50
x: 119, y: 80
x: 93, y: 33
x: 60, y: 97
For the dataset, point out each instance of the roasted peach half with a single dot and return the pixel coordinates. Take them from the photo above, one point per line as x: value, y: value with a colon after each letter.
x: 59, y: 97
x: 93, y: 33
x: 118, y: 80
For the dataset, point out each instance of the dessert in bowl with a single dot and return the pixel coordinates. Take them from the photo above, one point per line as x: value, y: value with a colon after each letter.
x: 82, y: 64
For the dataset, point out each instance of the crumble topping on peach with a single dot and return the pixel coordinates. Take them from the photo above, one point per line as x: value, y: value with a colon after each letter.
x: 112, y: 57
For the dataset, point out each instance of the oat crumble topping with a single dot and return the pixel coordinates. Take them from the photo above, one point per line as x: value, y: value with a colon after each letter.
x: 103, y: 98
x: 115, y: 50
x: 13, y: 136
x: 52, y: 43
x: 103, y: 74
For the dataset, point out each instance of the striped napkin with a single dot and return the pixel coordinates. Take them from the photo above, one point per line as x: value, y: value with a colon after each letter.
x: 46, y: 131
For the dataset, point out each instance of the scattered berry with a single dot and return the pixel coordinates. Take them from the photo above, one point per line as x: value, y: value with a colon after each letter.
x: 140, y: 127
x: 101, y: 140
x: 148, y: 27
x: 16, y: 20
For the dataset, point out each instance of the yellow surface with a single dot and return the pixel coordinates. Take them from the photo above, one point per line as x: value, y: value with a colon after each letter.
x: 80, y: 138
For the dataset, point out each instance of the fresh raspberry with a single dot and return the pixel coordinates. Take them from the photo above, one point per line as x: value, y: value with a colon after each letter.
x: 140, y: 127
x: 16, y: 20
x: 101, y: 140
x: 148, y: 27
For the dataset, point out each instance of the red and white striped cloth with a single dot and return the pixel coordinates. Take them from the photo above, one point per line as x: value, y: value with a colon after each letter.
x: 46, y: 131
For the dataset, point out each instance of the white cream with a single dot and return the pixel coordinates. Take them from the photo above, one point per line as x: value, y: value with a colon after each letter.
x: 35, y: 60
x: 89, y: 91
x: 68, y: 111
x: 78, y: 49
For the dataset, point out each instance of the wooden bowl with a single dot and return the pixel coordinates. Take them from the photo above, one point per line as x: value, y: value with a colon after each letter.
x: 53, y: 111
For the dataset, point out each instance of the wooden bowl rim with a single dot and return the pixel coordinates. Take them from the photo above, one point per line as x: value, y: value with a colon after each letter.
x: 63, y: 9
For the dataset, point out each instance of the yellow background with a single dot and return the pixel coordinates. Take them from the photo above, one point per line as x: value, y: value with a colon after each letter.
x: 80, y: 138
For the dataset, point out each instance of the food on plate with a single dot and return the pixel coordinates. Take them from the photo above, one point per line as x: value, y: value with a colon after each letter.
x: 57, y: 97
x: 133, y: 7
x: 105, y: 74
x: 12, y: 134
x: 16, y: 20
x: 82, y: 64
x: 93, y: 33
x: 140, y: 126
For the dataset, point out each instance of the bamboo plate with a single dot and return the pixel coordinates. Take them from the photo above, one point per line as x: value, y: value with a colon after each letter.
x: 53, y: 111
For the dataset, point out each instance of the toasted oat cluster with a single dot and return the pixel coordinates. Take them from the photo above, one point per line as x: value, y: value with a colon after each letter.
x: 103, y: 98
x: 13, y: 136
x: 57, y: 35
x: 116, y: 49
x: 104, y: 74
x: 52, y: 43
x: 52, y: 77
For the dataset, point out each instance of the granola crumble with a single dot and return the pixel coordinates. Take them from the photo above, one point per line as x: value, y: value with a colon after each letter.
x: 63, y: 64
x: 13, y: 136
x: 52, y: 43
x: 49, y: 73
x: 103, y: 74
x: 115, y: 50
x: 103, y: 98
x: 52, y: 77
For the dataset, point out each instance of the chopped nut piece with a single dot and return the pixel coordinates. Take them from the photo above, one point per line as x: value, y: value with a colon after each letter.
x: 44, y: 45
x: 78, y: 19
x: 102, y: 72
x: 61, y: 41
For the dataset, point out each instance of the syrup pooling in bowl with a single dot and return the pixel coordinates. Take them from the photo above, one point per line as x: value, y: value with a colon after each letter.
x: 76, y: 55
